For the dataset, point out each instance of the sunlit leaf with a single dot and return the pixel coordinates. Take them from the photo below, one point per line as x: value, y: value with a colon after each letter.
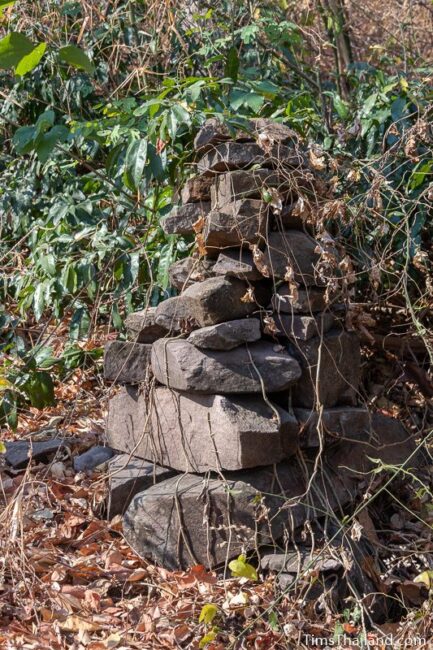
x: 241, y: 569
x: 208, y: 613
x: 13, y: 48
x: 31, y: 60
x: 75, y: 56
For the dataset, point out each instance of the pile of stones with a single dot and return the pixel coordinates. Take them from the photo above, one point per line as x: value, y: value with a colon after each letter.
x: 236, y: 417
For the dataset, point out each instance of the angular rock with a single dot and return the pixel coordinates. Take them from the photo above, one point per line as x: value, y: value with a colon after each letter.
x: 269, y: 131
x: 242, y: 222
x: 197, y: 189
x: 141, y: 326
x: 226, y: 336
x: 180, y: 365
x: 230, y: 155
x: 333, y: 364
x: 200, y: 433
x: 174, y: 315
x: 240, y: 184
x: 290, y: 250
x: 93, y: 457
x: 340, y: 422
x: 303, y: 327
x: 212, y: 132
x: 126, y: 362
x: 20, y: 452
x: 294, y: 562
x: 307, y: 301
x: 251, y: 508
x: 181, y: 220
x: 128, y: 476
x: 217, y: 300
x: 237, y: 263
x: 185, y: 272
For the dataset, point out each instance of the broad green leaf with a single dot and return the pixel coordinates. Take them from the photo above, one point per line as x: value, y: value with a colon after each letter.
x: 40, y: 389
x: 208, y: 613
x: 13, y: 48
x: 31, y: 60
x: 208, y: 638
x: 39, y: 300
x: 341, y: 107
x: 241, y: 569
x: 48, y: 141
x: 75, y: 56
x: 23, y: 139
x: 135, y: 161
x: 4, y: 4
x: 232, y: 64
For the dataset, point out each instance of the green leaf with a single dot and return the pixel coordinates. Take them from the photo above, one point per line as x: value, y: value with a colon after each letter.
x: 47, y: 142
x: 208, y: 613
x: 31, y: 60
x: 135, y: 161
x: 241, y: 569
x: 4, y: 4
x: 23, y: 139
x: 75, y: 56
x: 2, y: 444
x: 40, y: 389
x: 39, y: 300
x: 232, y: 64
x: 13, y: 48
x: 208, y: 638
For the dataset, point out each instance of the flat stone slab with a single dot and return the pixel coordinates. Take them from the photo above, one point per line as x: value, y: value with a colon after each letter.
x: 197, y: 189
x: 128, y: 476
x: 306, y: 301
x: 331, y: 425
x: 237, y: 263
x: 217, y: 300
x: 295, y: 562
x: 212, y: 132
x: 97, y: 455
x: 175, y: 316
x: 20, y: 452
x: 241, y: 222
x: 180, y: 365
x: 181, y: 220
x: 291, y: 250
x: 126, y: 362
x: 296, y: 326
x: 230, y: 155
x: 185, y: 272
x: 226, y: 336
x: 191, y: 520
x: 142, y: 328
x: 200, y: 433
x: 241, y: 184
x: 332, y: 364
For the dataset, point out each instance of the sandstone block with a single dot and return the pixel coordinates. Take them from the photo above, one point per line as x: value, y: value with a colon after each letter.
x: 226, y: 336
x: 291, y: 250
x: 296, y: 326
x: 237, y: 185
x: 237, y: 263
x: 340, y: 422
x: 128, y: 476
x: 185, y: 272
x: 197, y: 189
x: 200, y: 433
x: 212, y: 132
x: 180, y: 365
x: 230, y: 155
x: 307, y: 301
x: 241, y: 222
x: 181, y: 220
x: 333, y: 364
x: 126, y: 362
x: 174, y: 315
x: 141, y: 326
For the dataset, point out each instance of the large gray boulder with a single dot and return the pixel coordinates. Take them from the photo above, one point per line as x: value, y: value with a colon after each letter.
x: 175, y: 316
x: 200, y: 433
x: 331, y: 369
x: 181, y: 220
x: 186, y: 272
x: 253, y: 369
x: 226, y: 336
x: 287, y: 251
x: 126, y: 362
x: 142, y: 328
x: 240, y: 222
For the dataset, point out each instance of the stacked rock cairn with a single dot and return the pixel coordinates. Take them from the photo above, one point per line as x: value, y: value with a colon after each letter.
x: 237, y: 403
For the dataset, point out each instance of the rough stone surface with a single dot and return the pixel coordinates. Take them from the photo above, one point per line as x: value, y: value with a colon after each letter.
x: 93, y: 457
x: 241, y: 222
x: 303, y: 327
x: 241, y: 184
x: 174, y: 315
x: 181, y: 220
x: 340, y: 422
x: 19, y: 452
x: 213, y: 132
x: 141, y: 326
x: 128, y: 476
x: 307, y: 301
x: 230, y: 155
x: 185, y: 272
x: 200, y: 433
x: 165, y: 523
x: 217, y: 300
x: 182, y: 366
x: 125, y: 361
x: 333, y: 363
x: 197, y: 189
x: 269, y: 131
x: 226, y: 336
x: 237, y: 263
x: 294, y: 562
x: 292, y: 249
